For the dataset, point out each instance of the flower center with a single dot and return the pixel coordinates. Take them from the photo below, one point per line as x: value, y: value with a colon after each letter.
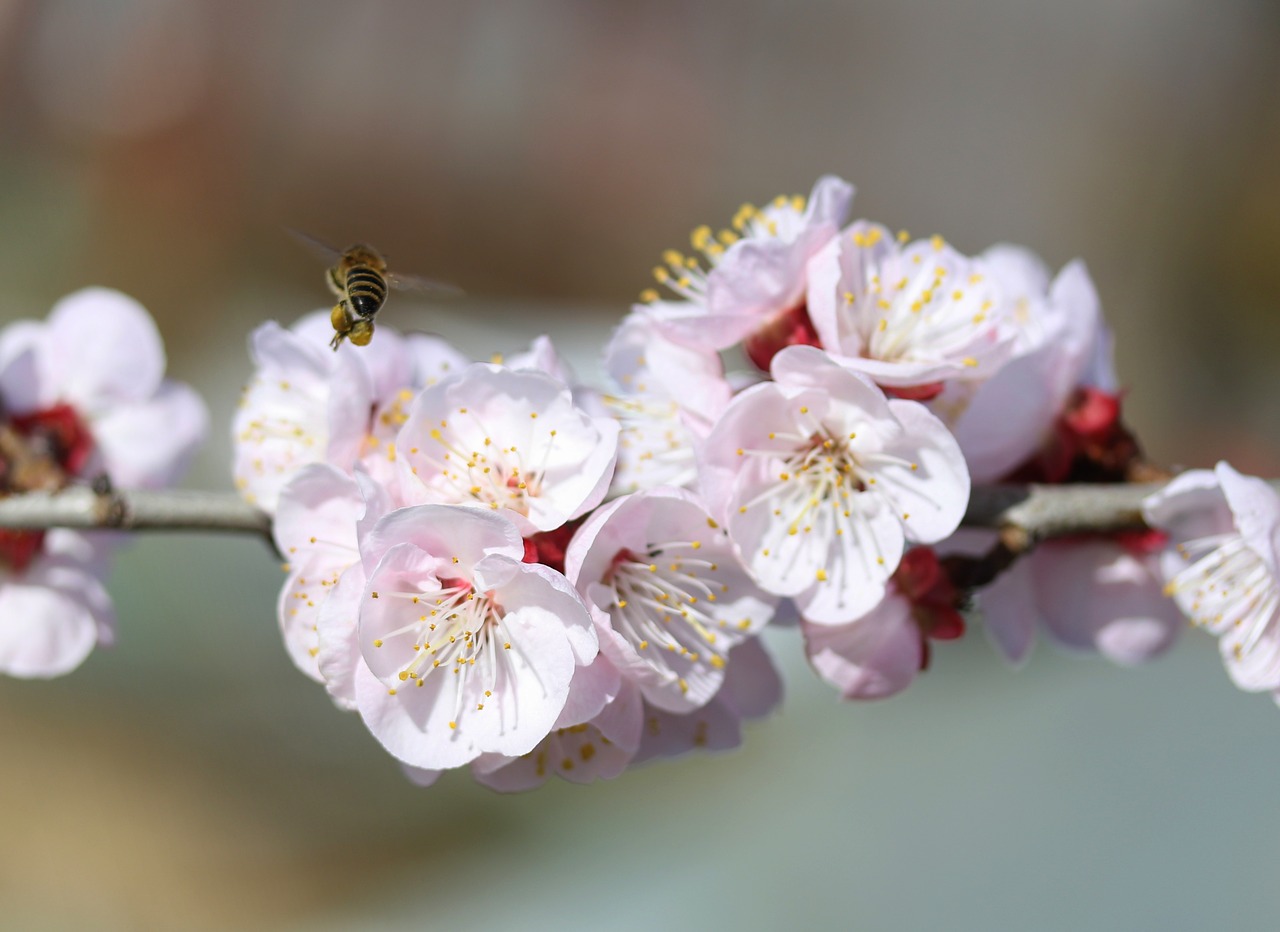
x: 686, y: 276
x: 793, y: 327
x: 652, y: 440
x: 496, y: 475
x: 815, y: 482
x: 57, y: 434
x: 662, y: 607
x: 460, y: 632
x: 386, y: 422
x: 1228, y: 589
x: 39, y: 452
x: 548, y: 547
x: 926, y: 314
x: 290, y: 423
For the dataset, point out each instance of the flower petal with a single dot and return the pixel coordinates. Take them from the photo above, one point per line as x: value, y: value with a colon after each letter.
x: 873, y: 657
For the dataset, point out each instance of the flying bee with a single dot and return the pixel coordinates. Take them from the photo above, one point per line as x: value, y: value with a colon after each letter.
x: 360, y: 280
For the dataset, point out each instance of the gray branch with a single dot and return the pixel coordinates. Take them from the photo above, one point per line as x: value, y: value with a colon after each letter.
x: 1025, y: 514
x: 81, y: 508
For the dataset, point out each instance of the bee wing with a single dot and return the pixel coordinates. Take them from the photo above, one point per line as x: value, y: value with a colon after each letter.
x: 318, y: 246
x: 418, y: 283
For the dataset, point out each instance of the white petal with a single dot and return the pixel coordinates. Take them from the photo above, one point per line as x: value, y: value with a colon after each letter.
x: 149, y: 443
x: 873, y: 657
x: 934, y: 495
x: 48, y: 621
x: 1097, y: 596
x: 338, y: 648
x: 104, y: 349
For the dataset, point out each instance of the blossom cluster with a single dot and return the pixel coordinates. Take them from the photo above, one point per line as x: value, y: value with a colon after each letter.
x: 498, y: 566
x: 456, y: 576
x: 83, y: 398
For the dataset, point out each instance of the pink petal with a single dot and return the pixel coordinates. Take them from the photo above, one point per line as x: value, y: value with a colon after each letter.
x: 148, y: 444
x: 1097, y: 596
x: 873, y: 657
x: 104, y: 348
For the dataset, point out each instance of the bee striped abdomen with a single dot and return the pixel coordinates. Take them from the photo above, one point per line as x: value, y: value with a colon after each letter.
x: 366, y: 290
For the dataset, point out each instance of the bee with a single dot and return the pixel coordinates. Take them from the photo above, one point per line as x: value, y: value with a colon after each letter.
x: 360, y: 280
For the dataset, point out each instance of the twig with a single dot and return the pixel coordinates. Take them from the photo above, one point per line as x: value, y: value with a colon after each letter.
x: 81, y: 508
x: 1024, y: 515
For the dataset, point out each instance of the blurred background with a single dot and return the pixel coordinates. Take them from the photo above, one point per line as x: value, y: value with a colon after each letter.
x: 540, y: 153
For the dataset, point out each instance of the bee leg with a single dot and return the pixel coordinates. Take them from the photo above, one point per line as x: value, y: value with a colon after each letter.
x: 361, y: 332
x: 336, y: 284
x: 340, y: 317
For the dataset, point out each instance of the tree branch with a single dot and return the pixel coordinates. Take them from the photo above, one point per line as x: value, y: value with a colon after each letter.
x: 81, y: 508
x: 1024, y: 515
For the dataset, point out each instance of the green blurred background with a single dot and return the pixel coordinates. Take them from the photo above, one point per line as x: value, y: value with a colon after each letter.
x: 541, y: 153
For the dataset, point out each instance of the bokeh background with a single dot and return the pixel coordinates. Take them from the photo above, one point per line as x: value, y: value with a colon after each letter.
x: 540, y: 153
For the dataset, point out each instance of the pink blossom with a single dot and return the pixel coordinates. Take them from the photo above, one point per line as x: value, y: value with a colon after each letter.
x: 871, y: 657
x: 879, y: 654
x: 1224, y: 572
x: 752, y: 689
x: 756, y: 275
x: 1104, y: 595
x: 1095, y: 594
x: 291, y: 415
x: 542, y: 356
x: 99, y: 353
x: 54, y: 610
x: 599, y: 747
x: 466, y: 649
x: 821, y: 481
x: 1061, y: 344
x: 910, y: 317
x: 510, y: 441
x: 668, y: 594
x: 82, y: 393
x: 319, y: 519
x: 665, y: 397
x: 308, y: 404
